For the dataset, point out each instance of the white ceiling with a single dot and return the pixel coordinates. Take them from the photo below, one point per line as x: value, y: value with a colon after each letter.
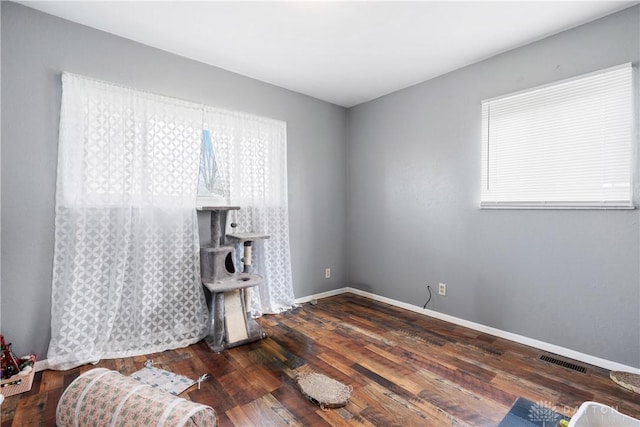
x: 341, y: 52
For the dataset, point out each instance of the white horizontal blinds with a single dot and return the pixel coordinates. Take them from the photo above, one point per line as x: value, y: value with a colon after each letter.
x: 562, y: 145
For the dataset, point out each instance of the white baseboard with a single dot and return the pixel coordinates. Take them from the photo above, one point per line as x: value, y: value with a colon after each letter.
x: 322, y: 295
x: 552, y: 348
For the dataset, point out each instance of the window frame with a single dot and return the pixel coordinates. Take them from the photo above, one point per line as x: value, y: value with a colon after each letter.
x: 500, y: 201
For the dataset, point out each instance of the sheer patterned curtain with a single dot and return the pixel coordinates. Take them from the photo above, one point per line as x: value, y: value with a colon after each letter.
x: 251, y: 154
x: 126, y: 275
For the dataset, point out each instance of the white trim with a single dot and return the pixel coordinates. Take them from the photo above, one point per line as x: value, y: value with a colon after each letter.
x: 323, y: 295
x: 539, y: 205
x: 541, y: 345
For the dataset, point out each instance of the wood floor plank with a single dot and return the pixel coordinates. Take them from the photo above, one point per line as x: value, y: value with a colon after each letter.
x: 405, y: 369
x: 8, y: 409
x: 240, y: 389
x: 345, y: 366
x: 302, y: 409
x: 210, y: 393
x: 267, y: 411
x: 50, y: 381
x: 30, y: 410
x: 342, y: 416
x: 238, y: 417
x: 385, y: 408
x: 399, y: 375
x: 520, y: 386
x: 458, y: 400
x: 49, y: 412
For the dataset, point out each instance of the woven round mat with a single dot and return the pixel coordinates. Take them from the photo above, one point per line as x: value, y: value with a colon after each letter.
x: 627, y: 380
x: 324, y: 391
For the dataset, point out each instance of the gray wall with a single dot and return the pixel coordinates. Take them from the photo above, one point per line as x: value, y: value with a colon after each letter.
x: 566, y: 277
x: 35, y: 49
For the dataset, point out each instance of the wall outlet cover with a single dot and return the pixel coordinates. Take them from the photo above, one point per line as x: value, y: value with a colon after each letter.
x: 442, y: 289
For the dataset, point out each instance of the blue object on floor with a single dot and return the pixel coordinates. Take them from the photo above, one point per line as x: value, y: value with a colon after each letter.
x: 525, y: 413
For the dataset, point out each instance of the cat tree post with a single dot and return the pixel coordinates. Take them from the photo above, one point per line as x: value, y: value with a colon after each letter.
x: 247, y: 240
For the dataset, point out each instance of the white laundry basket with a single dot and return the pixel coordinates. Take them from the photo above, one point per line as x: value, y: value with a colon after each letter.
x: 593, y: 414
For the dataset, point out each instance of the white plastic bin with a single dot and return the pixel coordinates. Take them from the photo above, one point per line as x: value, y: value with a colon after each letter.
x: 593, y: 414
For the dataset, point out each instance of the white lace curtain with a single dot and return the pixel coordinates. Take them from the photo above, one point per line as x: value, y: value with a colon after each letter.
x: 251, y: 155
x: 126, y: 277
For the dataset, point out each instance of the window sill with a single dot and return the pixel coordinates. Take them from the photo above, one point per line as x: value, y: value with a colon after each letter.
x: 550, y: 206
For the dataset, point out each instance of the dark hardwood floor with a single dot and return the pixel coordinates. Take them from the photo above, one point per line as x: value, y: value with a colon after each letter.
x: 406, y: 369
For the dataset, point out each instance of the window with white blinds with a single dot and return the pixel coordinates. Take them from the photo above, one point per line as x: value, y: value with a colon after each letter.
x: 564, y: 145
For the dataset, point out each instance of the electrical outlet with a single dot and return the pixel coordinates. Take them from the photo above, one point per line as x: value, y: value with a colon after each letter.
x: 442, y: 289
x: 327, y: 273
